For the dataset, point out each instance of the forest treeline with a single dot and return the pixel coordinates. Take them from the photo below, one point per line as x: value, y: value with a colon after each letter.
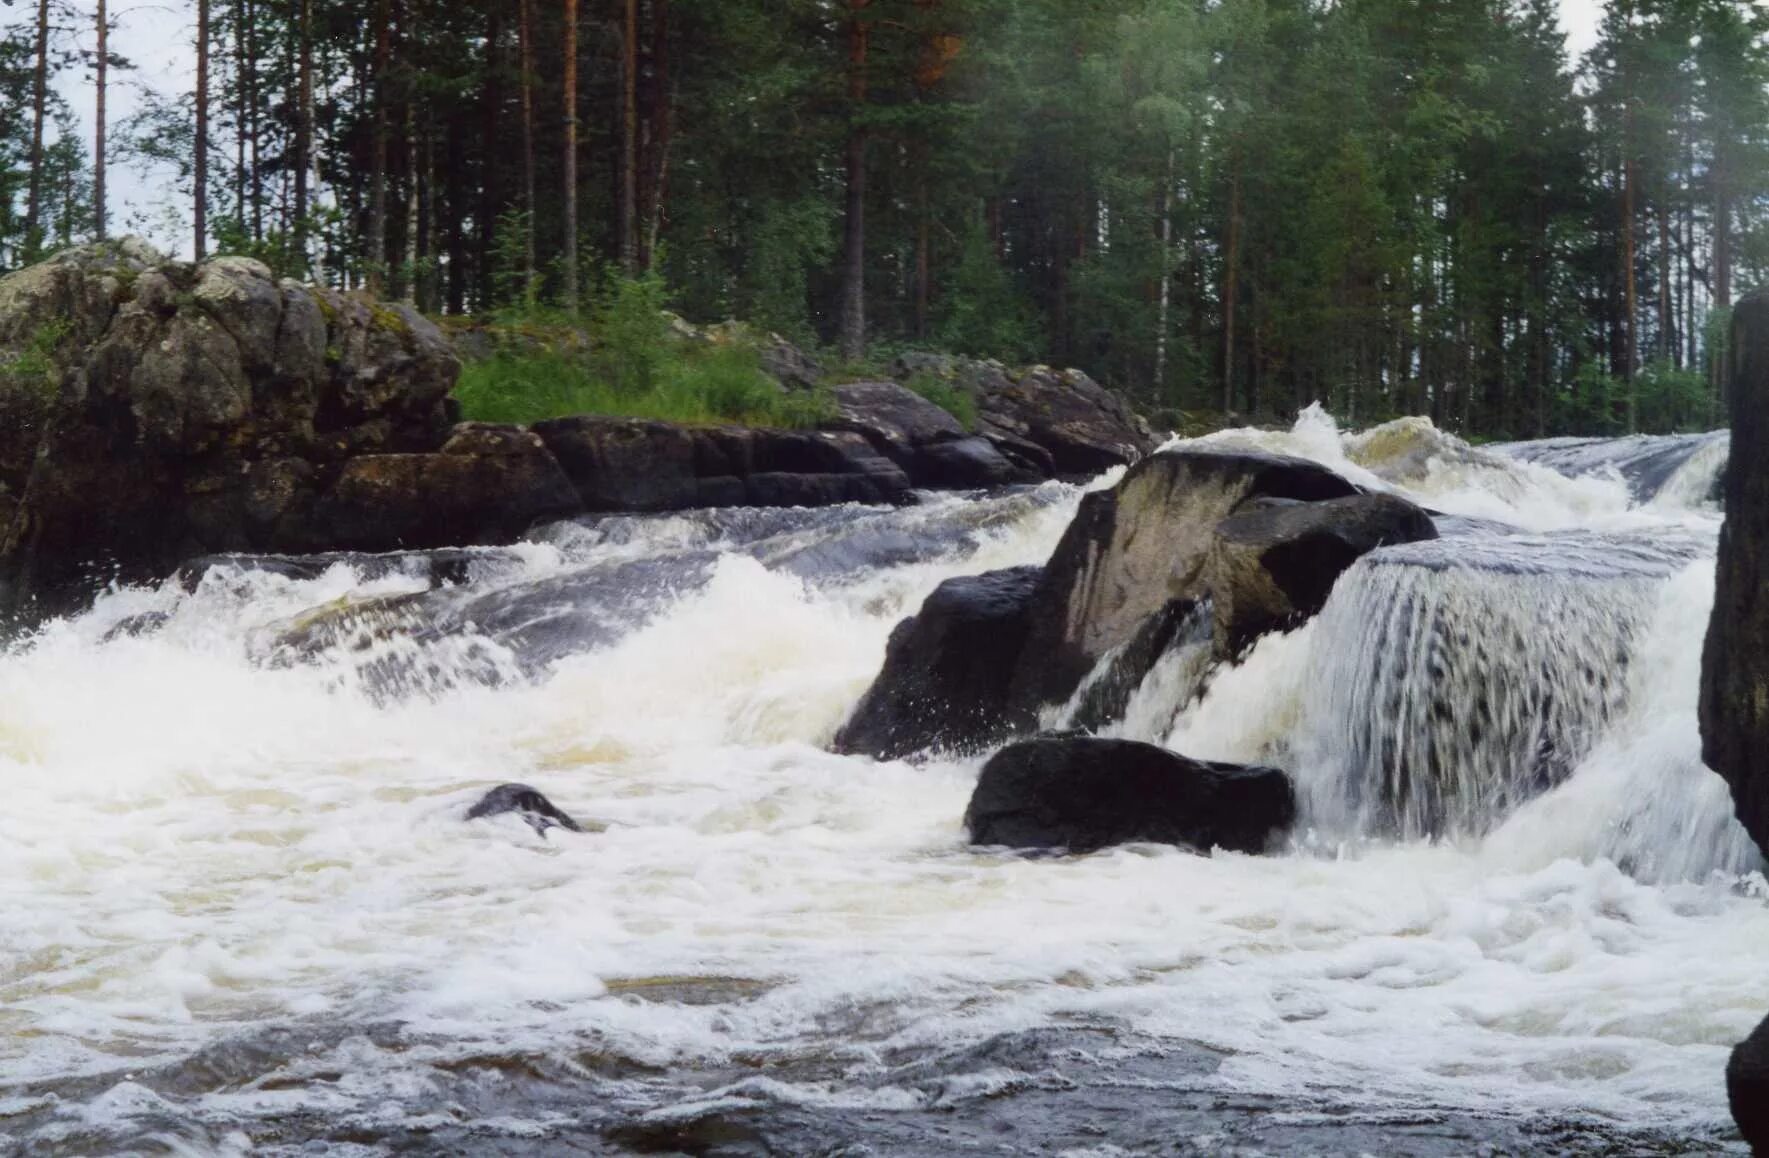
x: 1392, y: 206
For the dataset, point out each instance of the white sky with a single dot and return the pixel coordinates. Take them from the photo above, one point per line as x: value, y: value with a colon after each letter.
x: 156, y: 36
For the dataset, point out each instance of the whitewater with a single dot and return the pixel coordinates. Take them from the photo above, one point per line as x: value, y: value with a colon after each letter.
x: 241, y: 912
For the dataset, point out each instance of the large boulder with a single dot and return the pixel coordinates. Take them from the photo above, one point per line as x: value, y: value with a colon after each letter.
x: 152, y: 409
x: 947, y: 670
x: 1134, y: 550
x: 1082, y: 794
x: 624, y: 464
x: 1273, y: 565
x: 1735, y: 663
x: 1747, y: 1088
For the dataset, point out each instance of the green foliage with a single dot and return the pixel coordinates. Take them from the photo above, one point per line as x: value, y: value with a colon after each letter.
x: 278, y: 249
x: 632, y: 334
x: 982, y: 313
x: 948, y: 396
x: 34, y: 365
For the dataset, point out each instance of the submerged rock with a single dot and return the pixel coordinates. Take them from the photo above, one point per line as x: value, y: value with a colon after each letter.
x: 528, y: 803
x: 947, y: 672
x: 1083, y: 794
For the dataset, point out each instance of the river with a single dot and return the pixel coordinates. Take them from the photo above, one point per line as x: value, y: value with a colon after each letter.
x: 240, y: 911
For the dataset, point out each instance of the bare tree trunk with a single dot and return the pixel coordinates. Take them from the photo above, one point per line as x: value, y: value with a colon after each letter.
x: 629, y: 141
x: 241, y: 63
x: 570, y: 289
x: 660, y: 131
x: 99, y: 223
x: 1667, y: 320
x: 39, y: 109
x: 1164, y: 317
x: 1231, y: 282
x: 377, y: 239
x: 303, y: 126
x: 413, y: 223
x: 490, y: 188
x: 853, y: 304
x: 1630, y: 293
x: 200, y: 215
x: 924, y: 257
x: 525, y: 48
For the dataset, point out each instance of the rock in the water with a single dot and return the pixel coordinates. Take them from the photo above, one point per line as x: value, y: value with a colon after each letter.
x: 1747, y: 1088
x: 1273, y: 566
x: 947, y: 670
x: 528, y: 803
x: 1133, y: 550
x: 1083, y: 794
x: 1735, y: 663
x: 1084, y: 427
x: 623, y: 464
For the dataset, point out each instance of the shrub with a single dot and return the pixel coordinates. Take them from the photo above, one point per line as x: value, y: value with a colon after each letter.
x: 948, y: 396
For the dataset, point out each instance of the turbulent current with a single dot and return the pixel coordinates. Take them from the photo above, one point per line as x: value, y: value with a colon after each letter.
x: 241, y: 911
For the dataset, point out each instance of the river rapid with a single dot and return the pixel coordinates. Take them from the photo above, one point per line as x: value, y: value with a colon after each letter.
x: 240, y: 911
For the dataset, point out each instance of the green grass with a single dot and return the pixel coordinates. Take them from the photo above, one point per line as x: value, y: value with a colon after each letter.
x: 951, y: 398
x: 694, y: 386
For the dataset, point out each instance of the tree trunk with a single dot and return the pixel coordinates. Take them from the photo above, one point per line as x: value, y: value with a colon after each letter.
x: 1630, y: 293
x: 377, y: 239
x: 570, y: 289
x: 200, y: 214
x: 1722, y: 177
x: 853, y: 302
x: 1164, y: 314
x: 254, y: 174
x: 525, y: 49
x: 1231, y: 282
x: 490, y: 188
x: 102, y: 75
x: 659, y: 132
x: 39, y: 109
x: 241, y: 63
x: 924, y: 257
x: 303, y: 127
x: 1667, y: 321
x: 629, y: 140
x: 409, y: 275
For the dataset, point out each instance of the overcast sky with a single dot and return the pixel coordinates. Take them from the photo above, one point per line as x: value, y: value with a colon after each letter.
x: 156, y: 36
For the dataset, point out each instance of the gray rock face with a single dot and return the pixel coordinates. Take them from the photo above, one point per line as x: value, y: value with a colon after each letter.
x: 929, y: 444
x: 1273, y: 566
x: 1735, y: 662
x: 1134, y: 550
x: 1080, y: 794
x: 151, y: 410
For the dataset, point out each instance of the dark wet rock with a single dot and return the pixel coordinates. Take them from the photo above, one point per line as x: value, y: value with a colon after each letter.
x: 947, y: 672
x: 540, y: 813
x: 965, y: 463
x: 1273, y: 565
x: 1735, y: 664
x: 619, y: 464
x: 1747, y: 1088
x: 1082, y: 794
x: 152, y: 410
x: 1134, y: 549
x: 487, y: 484
x: 1106, y: 696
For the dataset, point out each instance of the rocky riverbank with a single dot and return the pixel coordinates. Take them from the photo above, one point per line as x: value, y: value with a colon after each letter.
x: 154, y: 411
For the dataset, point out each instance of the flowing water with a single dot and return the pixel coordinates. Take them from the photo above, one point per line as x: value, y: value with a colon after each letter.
x: 240, y: 911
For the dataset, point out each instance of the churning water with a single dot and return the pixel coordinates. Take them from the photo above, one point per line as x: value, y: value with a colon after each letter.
x: 240, y: 910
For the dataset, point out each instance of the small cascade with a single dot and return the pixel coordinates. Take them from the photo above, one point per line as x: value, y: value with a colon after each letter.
x: 1652, y: 466
x: 1456, y: 679
x: 1139, y: 688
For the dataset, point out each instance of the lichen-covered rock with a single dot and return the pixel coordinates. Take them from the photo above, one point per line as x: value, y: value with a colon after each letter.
x: 152, y: 409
